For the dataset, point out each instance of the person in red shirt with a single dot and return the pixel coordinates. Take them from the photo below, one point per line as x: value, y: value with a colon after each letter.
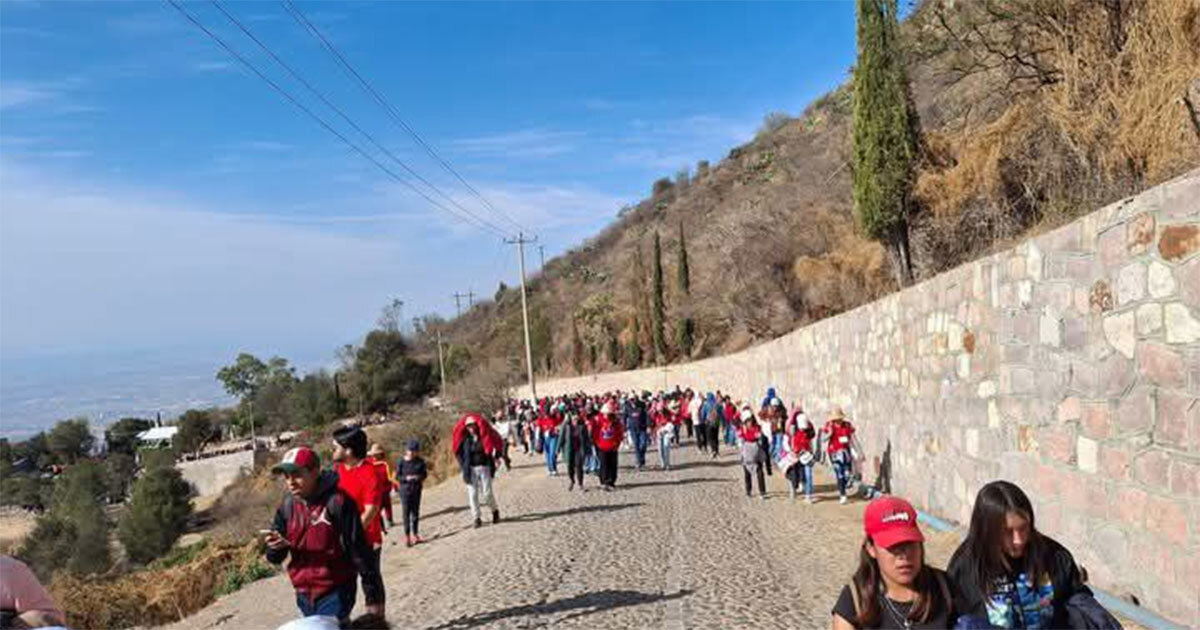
x: 359, y: 479
x: 607, y: 433
x: 754, y: 452
x: 839, y: 435
x: 664, y: 429
x: 801, y: 445
x: 547, y: 426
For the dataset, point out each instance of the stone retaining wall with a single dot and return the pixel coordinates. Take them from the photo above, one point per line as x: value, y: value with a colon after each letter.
x: 1069, y: 365
x: 211, y: 475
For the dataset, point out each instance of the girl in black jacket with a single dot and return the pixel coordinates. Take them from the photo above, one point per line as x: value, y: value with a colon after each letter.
x: 1010, y: 574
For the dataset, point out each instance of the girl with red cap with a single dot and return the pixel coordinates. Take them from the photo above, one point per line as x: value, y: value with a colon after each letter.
x: 754, y: 451
x: 893, y: 587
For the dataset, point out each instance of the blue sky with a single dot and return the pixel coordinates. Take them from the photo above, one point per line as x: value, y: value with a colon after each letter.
x: 155, y: 196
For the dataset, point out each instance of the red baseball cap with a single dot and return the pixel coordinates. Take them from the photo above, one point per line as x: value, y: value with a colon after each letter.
x: 890, y: 521
x: 296, y: 459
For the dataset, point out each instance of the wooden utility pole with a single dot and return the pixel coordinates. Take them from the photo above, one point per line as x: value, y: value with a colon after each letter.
x: 520, y: 242
x: 458, y: 303
x: 542, y: 256
x: 470, y: 299
x: 441, y: 362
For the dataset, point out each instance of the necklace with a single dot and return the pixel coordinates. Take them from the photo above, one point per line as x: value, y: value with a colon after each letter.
x: 902, y: 619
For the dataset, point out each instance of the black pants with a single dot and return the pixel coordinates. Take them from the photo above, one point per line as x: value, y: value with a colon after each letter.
x: 762, y: 482
x: 608, y: 467
x: 689, y: 427
x: 410, y: 511
x: 714, y: 437
x: 701, y: 437
x: 575, y: 467
x: 374, y: 560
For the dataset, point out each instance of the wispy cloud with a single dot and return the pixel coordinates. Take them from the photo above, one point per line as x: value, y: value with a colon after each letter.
x: 16, y: 94
x: 669, y: 144
x: 74, y: 269
x: 22, y: 93
x: 212, y: 66
x: 520, y: 144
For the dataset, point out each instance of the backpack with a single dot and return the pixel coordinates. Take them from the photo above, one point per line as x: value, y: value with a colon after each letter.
x: 713, y: 416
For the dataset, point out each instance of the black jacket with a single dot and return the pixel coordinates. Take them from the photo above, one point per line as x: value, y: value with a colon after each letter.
x: 464, y: 457
x: 566, y: 435
x: 1064, y: 575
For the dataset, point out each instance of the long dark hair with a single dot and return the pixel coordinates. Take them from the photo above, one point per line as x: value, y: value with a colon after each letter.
x: 984, y: 548
x: 867, y: 581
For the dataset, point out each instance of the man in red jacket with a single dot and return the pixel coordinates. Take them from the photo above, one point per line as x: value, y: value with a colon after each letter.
x: 318, y: 526
x: 607, y: 433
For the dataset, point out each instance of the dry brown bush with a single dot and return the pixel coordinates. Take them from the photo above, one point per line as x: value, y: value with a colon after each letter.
x: 150, y: 597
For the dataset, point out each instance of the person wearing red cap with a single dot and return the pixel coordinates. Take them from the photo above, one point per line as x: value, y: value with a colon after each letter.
x: 893, y: 587
x: 477, y: 450
x: 319, y: 528
x: 607, y: 434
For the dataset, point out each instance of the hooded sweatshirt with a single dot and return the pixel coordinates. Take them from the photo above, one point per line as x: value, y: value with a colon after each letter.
x: 326, y: 542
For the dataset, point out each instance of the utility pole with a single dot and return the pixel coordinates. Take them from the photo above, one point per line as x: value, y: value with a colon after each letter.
x: 441, y: 362
x: 542, y: 256
x: 458, y: 303
x: 520, y: 242
x: 470, y: 299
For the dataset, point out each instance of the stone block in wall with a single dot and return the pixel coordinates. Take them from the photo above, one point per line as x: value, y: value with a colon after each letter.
x: 1129, y: 506
x: 1096, y: 419
x: 1110, y: 247
x: 1167, y: 518
x: 1057, y: 443
x: 1177, y: 420
x: 1131, y: 283
x: 1181, y: 325
x: 1151, y: 468
x: 1185, y: 477
x: 1179, y: 242
x: 1115, y: 374
x: 1114, y: 461
x: 1120, y: 331
x: 1149, y: 319
x: 1188, y: 275
x: 1161, y: 365
x: 1180, y: 197
x: 1135, y: 412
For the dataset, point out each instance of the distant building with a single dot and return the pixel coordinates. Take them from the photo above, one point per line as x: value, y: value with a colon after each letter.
x: 157, y: 437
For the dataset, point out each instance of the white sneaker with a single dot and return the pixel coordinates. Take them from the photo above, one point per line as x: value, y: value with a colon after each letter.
x: 843, y: 500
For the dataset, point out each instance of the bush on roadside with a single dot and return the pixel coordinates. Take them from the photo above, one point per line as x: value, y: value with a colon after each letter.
x: 157, y: 515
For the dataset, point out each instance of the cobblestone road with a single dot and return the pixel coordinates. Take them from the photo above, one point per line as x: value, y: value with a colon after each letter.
x: 677, y: 549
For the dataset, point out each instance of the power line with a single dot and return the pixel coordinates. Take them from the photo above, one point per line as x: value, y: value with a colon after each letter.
x: 389, y: 109
x: 370, y: 138
x: 357, y: 149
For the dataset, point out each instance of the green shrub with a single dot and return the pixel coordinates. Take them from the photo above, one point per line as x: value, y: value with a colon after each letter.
x: 238, y: 577
x: 157, y: 514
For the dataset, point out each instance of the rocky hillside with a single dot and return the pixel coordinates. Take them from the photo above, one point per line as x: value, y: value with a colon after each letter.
x: 1032, y: 113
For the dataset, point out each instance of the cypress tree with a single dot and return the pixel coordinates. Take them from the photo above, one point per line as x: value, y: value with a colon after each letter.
x: 885, y: 135
x: 685, y: 332
x: 657, y: 324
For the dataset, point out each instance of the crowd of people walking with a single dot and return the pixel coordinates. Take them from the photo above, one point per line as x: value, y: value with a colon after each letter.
x: 1006, y: 574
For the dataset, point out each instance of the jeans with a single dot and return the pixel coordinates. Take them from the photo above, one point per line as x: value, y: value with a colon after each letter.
x: 776, y: 444
x: 701, y: 437
x: 550, y: 446
x: 664, y: 448
x: 714, y: 441
x: 762, y: 482
x: 641, y: 442
x: 842, y: 468
x: 798, y: 472
x: 410, y: 510
x: 730, y: 439
x: 337, y: 603
x: 481, y: 484
x: 608, y: 467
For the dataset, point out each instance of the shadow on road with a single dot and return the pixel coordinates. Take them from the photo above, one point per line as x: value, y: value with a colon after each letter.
x: 712, y: 463
x: 454, y: 509
x: 584, y: 509
x: 578, y: 606
x: 669, y: 482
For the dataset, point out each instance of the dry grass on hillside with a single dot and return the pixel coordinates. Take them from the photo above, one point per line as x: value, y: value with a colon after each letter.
x: 770, y: 230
